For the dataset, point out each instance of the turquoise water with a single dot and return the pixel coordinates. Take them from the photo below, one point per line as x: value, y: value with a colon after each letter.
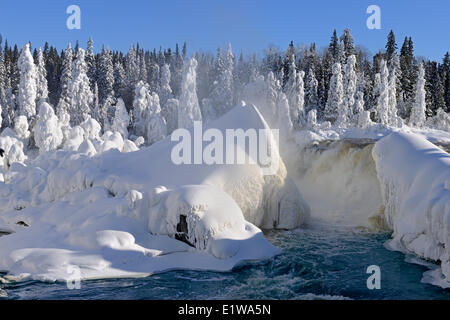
x: 315, y: 262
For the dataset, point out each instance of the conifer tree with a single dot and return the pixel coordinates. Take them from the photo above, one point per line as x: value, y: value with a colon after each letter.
x: 41, y: 81
x: 81, y: 97
x: 64, y: 102
x: 417, y: 118
x: 311, y: 92
x: 189, y: 110
x: 27, y: 87
x: 335, y: 94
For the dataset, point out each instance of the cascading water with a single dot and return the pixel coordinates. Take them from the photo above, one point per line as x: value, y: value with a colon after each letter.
x: 338, y: 179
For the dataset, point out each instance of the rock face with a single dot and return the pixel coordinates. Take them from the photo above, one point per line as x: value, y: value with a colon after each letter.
x: 414, y: 175
x: 110, y: 214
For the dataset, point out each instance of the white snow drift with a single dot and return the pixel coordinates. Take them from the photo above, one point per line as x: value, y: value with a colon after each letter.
x: 415, y: 183
x: 116, y: 214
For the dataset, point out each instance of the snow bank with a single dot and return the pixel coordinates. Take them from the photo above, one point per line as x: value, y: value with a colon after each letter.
x: 415, y: 183
x: 13, y: 148
x: 119, y: 214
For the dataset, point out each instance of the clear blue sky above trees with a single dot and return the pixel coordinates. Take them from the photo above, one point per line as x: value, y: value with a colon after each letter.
x: 250, y: 25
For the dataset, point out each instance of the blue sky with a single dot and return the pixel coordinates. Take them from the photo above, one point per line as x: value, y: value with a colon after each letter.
x: 250, y: 25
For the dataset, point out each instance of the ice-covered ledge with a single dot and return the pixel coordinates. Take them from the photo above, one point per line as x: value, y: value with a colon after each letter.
x: 415, y: 181
x: 116, y: 214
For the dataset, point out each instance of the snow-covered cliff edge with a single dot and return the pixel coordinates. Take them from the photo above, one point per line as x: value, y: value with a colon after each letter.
x: 415, y: 181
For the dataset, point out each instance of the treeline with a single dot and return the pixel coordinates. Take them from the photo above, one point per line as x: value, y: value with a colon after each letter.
x: 221, y: 80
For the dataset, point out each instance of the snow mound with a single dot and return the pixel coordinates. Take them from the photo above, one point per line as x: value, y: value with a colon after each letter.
x: 117, y: 214
x: 414, y: 176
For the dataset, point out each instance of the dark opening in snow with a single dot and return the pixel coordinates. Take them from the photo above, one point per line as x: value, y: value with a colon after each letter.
x: 182, y: 231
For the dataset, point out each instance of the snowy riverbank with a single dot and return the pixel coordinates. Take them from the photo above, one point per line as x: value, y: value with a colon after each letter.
x: 118, y: 214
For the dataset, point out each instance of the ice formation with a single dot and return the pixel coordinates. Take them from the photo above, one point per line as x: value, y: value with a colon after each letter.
x: 119, y: 214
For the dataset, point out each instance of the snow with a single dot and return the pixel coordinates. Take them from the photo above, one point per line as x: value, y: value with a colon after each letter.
x: 121, y: 119
x: 80, y: 93
x: 27, y: 86
x: 47, y: 132
x: 13, y: 148
x: 414, y: 175
x: 188, y: 108
x: 116, y: 214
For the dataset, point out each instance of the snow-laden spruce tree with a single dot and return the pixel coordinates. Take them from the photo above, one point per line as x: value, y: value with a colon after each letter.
x: 105, y: 81
x: 41, y: 80
x: 297, y: 99
x: 90, y: 63
x: 171, y: 114
x: 382, y: 107
x: 221, y: 97
x: 335, y: 101
x: 106, y: 112
x: 395, y: 76
x: 272, y: 91
x: 64, y: 102
x: 361, y: 117
x: 81, y: 97
x: 189, y: 109
x: 27, y: 86
x: 227, y: 81
x: 143, y: 74
x: 132, y: 75
x: 417, y: 118
x: 139, y: 110
x: 153, y: 76
x: 311, y: 93
x: 164, y: 90
x: 64, y: 122
x: 375, y: 92
x: 295, y: 92
x: 47, y: 132
x: 105, y: 76
x: 284, y: 116
x: 156, y: 125
x: 394, y: 119
x: 96, y: 110
x: 119, y: 80
x: 311, y: 120
x: 165, y: 94
x: 350, y: 80
x: 121, y: 119
x: 21, y: 128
